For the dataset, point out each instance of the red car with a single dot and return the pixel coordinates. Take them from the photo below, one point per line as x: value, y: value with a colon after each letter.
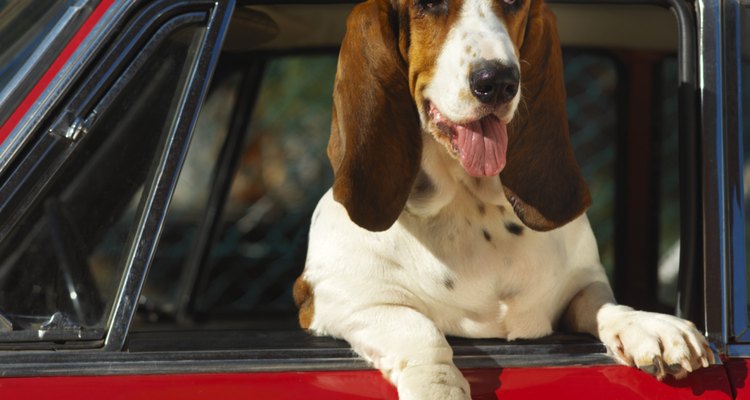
x: 160, y: 160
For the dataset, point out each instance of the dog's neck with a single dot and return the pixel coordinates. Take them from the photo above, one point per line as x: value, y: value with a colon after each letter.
x: 442, y: 180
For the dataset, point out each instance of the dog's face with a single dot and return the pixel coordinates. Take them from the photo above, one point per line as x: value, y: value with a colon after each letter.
x: 464, y: 75
x: 457, y: 70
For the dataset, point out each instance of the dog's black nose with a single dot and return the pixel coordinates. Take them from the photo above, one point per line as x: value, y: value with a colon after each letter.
x: 493, y: 83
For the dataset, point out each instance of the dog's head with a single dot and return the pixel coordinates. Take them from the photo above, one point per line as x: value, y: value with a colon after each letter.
x: 482, y: 77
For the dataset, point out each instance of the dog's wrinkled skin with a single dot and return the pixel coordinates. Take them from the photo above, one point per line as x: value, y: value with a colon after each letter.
x: 419, y: 238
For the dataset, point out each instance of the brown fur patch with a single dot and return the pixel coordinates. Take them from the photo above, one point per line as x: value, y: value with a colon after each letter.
x: 428, y: 33
x: 515, y: 22
x: 387, y: 57
x: 303, y: 298
x: 542, y: 179
x: 375, y: 144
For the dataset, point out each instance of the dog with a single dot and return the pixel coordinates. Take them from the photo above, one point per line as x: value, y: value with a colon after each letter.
x: 457, y: 206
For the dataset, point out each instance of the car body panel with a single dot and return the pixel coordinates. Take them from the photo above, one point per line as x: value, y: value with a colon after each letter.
x: 738, y: 376
x: 574, y: 383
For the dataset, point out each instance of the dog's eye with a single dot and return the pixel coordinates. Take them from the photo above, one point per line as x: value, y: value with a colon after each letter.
x: 432, y: 6
x: 511, y: 5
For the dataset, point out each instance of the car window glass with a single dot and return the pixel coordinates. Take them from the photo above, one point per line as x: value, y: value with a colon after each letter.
x: 667, y: 139
x: 282, y: 173
x: 278, y: 183
x: 159, y: 297
x: 60, y: 267
x: 591, y: 82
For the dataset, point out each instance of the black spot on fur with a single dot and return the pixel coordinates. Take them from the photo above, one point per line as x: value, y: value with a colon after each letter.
x: 502, y: 209
x: 487, y: 236
x: 449, y: 284
x: 514, y: 229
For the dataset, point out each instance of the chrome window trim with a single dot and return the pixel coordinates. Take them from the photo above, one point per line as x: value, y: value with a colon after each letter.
x: 62, y: 81
x: 279, y: 351
x: 124, y: 363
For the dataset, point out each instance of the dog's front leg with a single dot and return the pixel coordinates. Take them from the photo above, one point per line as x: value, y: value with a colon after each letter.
x: 659, y: 344
x: 409, y: 350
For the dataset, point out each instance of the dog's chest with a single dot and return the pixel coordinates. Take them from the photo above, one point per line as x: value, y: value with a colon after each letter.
x: 480, y: 266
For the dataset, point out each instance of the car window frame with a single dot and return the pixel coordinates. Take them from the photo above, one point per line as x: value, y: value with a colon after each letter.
x: 149, y: 27
x: 721, y: 174
x: 737, y: 306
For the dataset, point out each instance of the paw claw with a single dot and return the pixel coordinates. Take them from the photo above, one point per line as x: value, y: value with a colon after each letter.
x: 686, y: 365
x: 660, y: 345
x: 673, y: 369
x: 655, y: 366
x: 650, y: 369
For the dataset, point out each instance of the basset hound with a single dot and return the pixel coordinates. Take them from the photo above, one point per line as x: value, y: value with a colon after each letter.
x: 458, y: 206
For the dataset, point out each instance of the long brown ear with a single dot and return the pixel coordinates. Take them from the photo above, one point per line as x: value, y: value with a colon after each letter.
x: 542, y: 179
x: 375, y: 146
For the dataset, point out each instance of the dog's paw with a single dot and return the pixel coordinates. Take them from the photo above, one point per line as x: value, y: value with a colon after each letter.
x: 658, y: 344
x: 432, y: 382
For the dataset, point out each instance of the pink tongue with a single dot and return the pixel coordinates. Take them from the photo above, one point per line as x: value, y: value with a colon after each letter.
x: 482, y: 146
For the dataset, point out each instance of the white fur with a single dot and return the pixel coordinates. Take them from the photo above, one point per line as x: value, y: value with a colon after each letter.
x: 509, y: 286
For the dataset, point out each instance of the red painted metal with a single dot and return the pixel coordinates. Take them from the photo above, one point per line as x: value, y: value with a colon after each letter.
x: 52, y: 71
x: 578, y: 383
x: 738, y: 376
x: 604, y: 382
